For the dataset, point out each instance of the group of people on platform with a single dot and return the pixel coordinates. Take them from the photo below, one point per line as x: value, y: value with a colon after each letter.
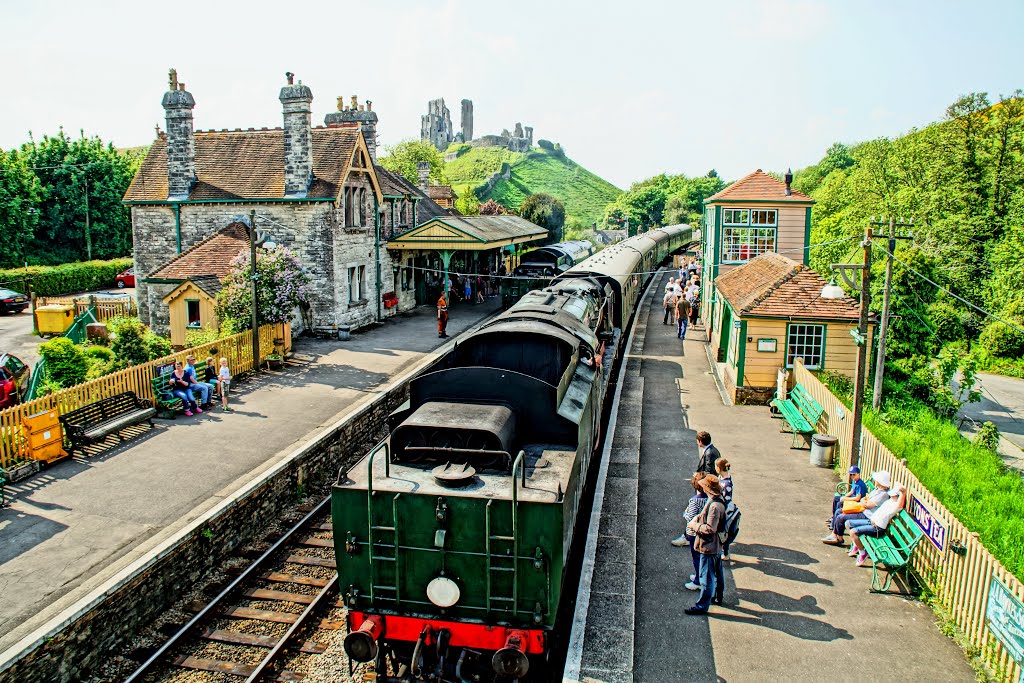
x: 681, y: 303
x: 185, y: 384
x: 712, y: 523
x: 863, y: 513
x: 471, y: 288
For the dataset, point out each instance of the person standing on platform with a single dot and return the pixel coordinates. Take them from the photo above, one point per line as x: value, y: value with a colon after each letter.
x: 442, y: 316
x: 708, y: 454
x: 682, y: 316
x: 706, y: 528
x: 669, y: 303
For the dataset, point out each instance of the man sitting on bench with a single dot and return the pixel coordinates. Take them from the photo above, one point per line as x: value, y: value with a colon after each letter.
x: 877, y: 522
x: 201, y: 390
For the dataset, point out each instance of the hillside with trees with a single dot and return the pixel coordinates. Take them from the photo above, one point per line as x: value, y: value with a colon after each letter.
x: 662, y: 200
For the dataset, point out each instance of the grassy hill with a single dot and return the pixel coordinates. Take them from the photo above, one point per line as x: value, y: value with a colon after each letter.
x: 584, y: 194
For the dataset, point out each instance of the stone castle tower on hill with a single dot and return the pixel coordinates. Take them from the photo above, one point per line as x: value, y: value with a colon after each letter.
x: 437, y: 129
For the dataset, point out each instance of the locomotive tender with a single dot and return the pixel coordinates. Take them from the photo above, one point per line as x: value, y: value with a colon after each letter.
x: 452, y: 535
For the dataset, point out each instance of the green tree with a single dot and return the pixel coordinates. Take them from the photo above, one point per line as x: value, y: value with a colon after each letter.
x: 79, y: 175
x: 468, y: 204
x: 65, y: 363
x: 404, y: 157
x: 20, y: 193
x: 546, y: 211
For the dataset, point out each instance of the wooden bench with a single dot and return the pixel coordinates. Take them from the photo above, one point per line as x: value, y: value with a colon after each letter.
x: 891, y: 552
x: 166, y: 403
x: 800, y: 411
x: 95, y: 422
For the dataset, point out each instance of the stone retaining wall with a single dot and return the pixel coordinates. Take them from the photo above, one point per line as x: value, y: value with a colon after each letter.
x: 69, y: 650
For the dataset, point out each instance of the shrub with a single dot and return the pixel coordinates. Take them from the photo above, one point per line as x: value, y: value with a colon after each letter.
x: 546, y: 144
x: 100, y: 353
x: 987, y: 437
x: 66, y: 364
x: 156, y: 346
x: 46, y: 387
x: 282, y: 284
x: 68, y: 278
x: 128, y: 345
x: 1002, y: 341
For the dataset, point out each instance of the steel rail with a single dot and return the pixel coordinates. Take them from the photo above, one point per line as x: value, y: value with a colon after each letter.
x: 214, y: 604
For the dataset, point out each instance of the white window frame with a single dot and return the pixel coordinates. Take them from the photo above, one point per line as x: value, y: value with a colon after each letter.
x: 352, y: 285
x: 801, y: 335
x: 754, y: 230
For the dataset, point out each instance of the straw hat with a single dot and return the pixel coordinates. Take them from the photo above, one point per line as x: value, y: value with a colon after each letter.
x: 711, y: 485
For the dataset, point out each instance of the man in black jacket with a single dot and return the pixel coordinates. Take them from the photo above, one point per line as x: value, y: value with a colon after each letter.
x: 708, y: 453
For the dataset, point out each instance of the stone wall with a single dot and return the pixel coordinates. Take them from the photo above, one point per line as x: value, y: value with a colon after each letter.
x: 753, y: 396
x: 71, y: 651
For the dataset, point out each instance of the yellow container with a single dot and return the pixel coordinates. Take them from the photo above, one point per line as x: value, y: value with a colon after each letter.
x: 43, y: 436
x: 55, y: 318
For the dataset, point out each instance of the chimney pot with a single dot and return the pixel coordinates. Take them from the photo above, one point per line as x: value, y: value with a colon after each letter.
x: 173, y: 78
x: 181, y: 87
x: 360, y: 107
x: 355, y: 102
x: 289, y: 76
x: 341, y: 103
x: 369, y: 105
x: 789, y: 181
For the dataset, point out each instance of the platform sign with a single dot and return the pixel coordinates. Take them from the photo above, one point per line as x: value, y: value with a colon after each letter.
x: 163, y: 370
x: 934, y: 529
x: 1005, y: 616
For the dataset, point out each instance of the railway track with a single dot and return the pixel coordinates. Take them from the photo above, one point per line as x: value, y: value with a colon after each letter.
x: 268, y: 614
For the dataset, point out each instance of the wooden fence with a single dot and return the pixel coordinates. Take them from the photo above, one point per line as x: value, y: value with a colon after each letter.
x: 960, y: 575
x: 104, y: 308
x: 138, y: 378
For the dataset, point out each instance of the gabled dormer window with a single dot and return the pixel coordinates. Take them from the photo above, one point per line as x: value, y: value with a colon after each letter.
x: 747, y: 233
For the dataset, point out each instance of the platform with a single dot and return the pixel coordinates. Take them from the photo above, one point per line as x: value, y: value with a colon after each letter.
x: 795, y: 609
x: 77, y: 524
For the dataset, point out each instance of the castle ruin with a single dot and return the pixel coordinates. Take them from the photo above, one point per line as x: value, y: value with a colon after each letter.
x: 437, y: 129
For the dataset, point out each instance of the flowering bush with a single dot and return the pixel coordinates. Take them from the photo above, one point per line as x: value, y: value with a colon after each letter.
x: 281, y: 285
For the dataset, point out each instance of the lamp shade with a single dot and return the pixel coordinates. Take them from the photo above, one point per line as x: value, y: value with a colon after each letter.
x: 832, y: 291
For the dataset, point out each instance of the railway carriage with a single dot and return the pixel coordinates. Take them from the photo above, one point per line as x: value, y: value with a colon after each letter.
x: 453, y: 535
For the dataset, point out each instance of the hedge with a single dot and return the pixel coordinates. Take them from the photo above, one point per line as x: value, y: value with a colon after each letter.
x: 68, y: 278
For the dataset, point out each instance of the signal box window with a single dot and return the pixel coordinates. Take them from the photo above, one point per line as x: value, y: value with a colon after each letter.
x: 748, y: 233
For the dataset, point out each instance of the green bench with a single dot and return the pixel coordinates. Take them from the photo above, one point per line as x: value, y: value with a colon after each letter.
x: 167, y: 404
x: 800, y: 411
x: 891, y: 553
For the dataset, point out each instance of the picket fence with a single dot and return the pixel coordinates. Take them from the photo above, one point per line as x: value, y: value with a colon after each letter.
x: 959, y: 579
x: 103, y: 308
x: 138, y: 378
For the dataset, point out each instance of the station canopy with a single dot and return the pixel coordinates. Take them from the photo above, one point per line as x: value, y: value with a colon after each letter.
x: 469, y: 233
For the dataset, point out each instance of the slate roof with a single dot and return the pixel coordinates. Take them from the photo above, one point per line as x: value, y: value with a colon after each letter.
x: 426, y: 208
x: 773, y: 286
x: 211, y: 257
x: 758, y: 186
x: 494, y: 228
x: 211, y: 284
x: 247, y: 165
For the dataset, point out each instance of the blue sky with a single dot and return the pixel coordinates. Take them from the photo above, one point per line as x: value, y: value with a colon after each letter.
x: 629, y: 89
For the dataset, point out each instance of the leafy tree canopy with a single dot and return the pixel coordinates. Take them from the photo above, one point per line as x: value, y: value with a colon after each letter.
x: 404, y: 157
x: 546, y: 211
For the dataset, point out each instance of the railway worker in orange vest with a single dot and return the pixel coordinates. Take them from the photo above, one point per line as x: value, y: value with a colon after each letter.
x: 442, y: 315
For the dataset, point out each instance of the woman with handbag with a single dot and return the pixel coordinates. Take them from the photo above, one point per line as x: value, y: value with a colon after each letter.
x: 855, y: 511
x: 693, y: 508
x: 709, y: 528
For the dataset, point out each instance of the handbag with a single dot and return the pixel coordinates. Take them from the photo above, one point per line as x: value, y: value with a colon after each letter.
x: 852, y: 507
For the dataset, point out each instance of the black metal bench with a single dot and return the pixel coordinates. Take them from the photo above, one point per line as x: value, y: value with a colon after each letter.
x: 95, y: 422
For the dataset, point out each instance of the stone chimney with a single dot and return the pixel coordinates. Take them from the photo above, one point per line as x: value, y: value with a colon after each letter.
x: 297, y: 101
x: 789, y: 181
x: 423, y: 169
x: 363, y: 117
x: 181, y: 141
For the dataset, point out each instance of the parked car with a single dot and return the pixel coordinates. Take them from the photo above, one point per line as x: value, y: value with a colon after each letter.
x: 12, y: 302
x: 14, y: 379
x: 126, y: 279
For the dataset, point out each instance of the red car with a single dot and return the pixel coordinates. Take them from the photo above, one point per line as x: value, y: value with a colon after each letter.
x: 126, y: 279
x: 14, y: 377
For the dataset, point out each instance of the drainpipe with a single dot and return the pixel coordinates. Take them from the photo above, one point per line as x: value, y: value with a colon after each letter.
x: 177, y: 224
x: 376, y: 249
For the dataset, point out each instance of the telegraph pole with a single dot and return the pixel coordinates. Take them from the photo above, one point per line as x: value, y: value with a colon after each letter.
x: 892, y: 223
x: 253, y: 278
x: 88, y: 235
x: 862, y: 349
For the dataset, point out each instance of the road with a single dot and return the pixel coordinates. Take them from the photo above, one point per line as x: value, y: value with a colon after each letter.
x: 16, y: 330
x: 1002, y: 403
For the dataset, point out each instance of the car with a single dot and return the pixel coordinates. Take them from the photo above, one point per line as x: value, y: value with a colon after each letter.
x: 126, y: 279
x: 14, y: 379
x: 12, y: 302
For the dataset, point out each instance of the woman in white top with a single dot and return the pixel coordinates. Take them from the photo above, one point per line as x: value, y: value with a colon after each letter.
x: 877, y: 521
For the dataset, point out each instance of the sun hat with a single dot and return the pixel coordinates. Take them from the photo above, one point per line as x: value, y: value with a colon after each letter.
x: 854, y: 470
x: 882, y: 478
x: 711, y: 485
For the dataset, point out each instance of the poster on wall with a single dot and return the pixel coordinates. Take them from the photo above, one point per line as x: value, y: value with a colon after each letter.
x: 1005, y: 616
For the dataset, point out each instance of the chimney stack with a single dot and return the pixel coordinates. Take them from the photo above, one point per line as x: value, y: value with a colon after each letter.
x: 297, y: 101
x: 423, y: 169
x: 181, y: 142
x: 789, y: 181
x: 356, y: 116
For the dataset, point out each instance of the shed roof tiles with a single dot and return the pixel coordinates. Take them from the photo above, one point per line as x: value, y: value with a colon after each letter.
x: 773, y: 286
x: 211, y: 257
x: 759, y: 186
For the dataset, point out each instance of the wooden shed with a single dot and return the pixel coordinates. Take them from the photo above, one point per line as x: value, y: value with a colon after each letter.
x: 770, y: 312
x: 191, y: 306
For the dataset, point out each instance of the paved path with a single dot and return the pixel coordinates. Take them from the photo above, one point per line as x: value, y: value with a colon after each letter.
x: 1002, y: 402
x: 77, y: 524
x: 796, y: 610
